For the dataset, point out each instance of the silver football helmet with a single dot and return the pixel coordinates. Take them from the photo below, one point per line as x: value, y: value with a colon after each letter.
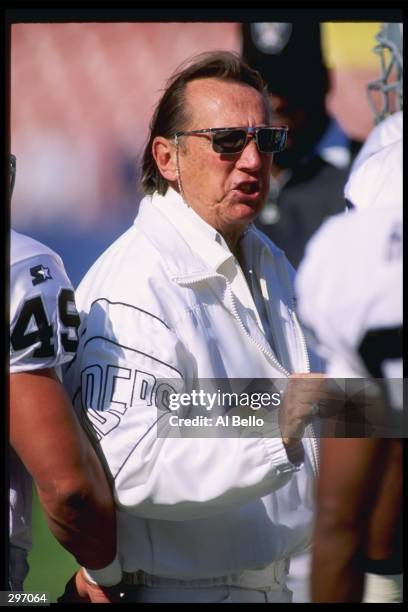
x: 389, y: 84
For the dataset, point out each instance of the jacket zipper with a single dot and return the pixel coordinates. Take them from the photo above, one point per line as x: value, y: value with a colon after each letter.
x: 312, y: 438
x: 299, y: 334
x: 259, y: 346
x: 238, y: 318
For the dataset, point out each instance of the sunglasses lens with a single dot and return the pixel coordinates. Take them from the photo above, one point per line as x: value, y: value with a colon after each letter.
x: 271, y: 140
x: 232, y: 141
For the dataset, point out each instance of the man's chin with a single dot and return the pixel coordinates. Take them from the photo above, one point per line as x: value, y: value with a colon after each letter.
x: 246, y: 212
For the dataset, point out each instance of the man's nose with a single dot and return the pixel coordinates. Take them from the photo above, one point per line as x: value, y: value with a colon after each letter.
x: 250, y: 157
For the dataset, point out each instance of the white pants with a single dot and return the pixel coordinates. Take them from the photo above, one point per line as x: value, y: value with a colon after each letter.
x: 220, y: 594
x: 266, y: 585
x: 299, y: 578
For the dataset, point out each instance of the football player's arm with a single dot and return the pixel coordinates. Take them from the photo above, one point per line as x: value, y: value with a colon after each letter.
x: 71, y: 483
x: 385, y: 524
x: 351, y: 472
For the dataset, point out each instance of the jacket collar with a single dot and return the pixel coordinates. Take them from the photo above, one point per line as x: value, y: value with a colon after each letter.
x: 184, y: 265
x: 183, y: 260
x: 191, y: 247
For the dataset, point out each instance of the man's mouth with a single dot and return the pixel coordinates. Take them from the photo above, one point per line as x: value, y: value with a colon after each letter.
x: 249, y: 188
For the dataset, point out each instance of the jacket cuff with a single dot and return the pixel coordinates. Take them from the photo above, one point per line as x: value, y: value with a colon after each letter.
x: 280, y: 458
x: 106, y: 576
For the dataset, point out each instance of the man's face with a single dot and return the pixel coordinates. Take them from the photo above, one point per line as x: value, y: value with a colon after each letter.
x: 227, y: 191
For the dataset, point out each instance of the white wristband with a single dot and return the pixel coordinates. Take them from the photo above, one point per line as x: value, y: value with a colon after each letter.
x: 106, y: 576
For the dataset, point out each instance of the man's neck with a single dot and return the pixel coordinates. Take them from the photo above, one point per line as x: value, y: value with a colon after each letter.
x: 233, y: 239
x: 239, y: 254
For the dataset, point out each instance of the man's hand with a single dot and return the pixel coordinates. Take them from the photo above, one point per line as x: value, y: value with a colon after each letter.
x: 79, y: 590
x: 301, y: 396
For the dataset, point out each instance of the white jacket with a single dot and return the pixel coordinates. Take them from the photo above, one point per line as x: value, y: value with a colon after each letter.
x: 153, y: 309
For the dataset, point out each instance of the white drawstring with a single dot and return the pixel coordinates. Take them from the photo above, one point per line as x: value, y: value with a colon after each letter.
x: 180, y: 186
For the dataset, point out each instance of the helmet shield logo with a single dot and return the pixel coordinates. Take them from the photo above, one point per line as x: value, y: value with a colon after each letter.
x: 272, y: 37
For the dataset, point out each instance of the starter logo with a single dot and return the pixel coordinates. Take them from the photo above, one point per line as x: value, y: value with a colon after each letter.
x: 40, y: 274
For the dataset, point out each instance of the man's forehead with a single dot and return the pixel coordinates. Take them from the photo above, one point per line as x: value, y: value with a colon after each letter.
x: 203, y: 87
x: 216, y: 95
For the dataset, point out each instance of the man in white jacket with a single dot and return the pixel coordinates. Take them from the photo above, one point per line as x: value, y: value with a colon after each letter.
x: 194, y: 292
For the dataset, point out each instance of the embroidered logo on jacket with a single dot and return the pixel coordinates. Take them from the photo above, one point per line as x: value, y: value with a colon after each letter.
x: 40, y: 274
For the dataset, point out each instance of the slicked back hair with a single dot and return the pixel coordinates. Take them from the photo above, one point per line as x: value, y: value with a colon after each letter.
x: 172, y: 113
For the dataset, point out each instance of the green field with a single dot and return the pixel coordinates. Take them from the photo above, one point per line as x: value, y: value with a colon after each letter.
x: 50, y: 565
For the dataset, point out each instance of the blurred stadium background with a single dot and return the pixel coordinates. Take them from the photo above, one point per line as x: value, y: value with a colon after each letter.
x: 81, y: 98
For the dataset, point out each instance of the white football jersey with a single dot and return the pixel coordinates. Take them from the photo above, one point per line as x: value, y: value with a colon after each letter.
x: 385, y: 133
x: 349, y: 289
x: 43, y: 334
x: 377, y: 182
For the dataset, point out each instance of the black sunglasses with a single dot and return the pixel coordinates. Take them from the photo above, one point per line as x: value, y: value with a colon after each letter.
x: 229, y: 141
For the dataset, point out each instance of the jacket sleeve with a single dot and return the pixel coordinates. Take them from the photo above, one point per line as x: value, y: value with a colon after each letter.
x: 127, y: 363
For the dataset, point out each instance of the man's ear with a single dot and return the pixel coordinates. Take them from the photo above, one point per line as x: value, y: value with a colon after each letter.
x: 164, y: 153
